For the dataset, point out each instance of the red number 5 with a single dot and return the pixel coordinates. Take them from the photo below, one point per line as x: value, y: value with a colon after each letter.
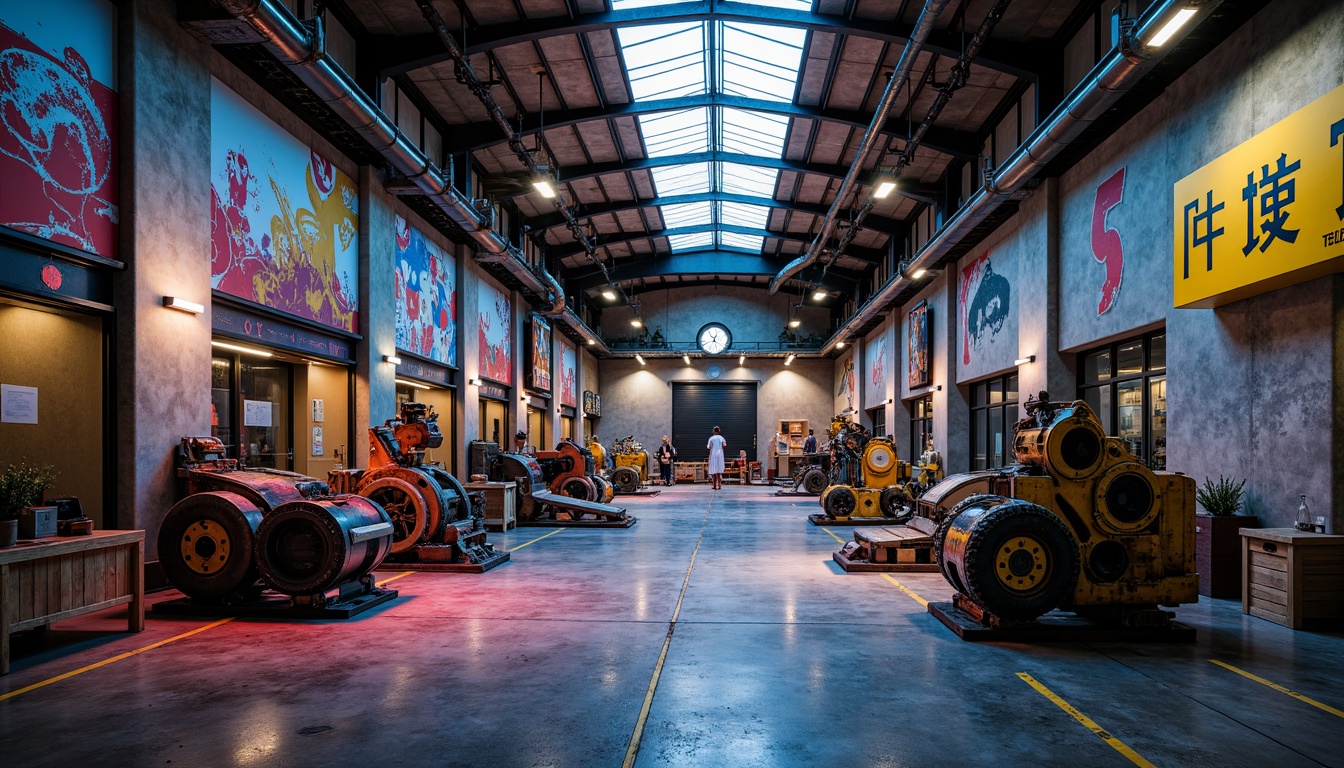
x: 1106, y: 240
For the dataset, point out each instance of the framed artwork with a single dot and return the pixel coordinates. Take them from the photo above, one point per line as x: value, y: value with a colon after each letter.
x: 918, y: 369
x: 494, y: 329
x: 426, y: 296
x: 539, y: 361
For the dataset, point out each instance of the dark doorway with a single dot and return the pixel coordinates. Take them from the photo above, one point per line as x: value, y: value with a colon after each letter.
x: 698, y: 407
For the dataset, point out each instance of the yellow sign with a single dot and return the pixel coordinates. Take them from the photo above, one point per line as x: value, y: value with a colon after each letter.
x: 1265, y: 215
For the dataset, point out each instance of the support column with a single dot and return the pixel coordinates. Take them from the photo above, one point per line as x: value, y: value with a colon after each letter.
x: 375, y: 380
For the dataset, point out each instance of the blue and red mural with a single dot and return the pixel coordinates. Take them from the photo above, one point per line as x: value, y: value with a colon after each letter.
x: 426, y: 296
x: 494, y: 329
x: 569, y: 377
x: 58, y: 122
x: 284, y: 226
x: 984, y: 299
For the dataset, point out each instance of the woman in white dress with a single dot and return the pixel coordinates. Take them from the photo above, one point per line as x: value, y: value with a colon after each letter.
x: 716, y: 446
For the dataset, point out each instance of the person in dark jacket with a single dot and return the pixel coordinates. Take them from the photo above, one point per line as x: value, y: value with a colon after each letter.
x: 665, y: 455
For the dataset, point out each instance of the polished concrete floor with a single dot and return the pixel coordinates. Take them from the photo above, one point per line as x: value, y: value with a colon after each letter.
x: 715, y: 632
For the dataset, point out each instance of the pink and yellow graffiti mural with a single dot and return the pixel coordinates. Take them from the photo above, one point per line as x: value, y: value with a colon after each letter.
x: 284, y: 226
x: 494, y: 333
x: 426, y: 291
x: 58, y: 123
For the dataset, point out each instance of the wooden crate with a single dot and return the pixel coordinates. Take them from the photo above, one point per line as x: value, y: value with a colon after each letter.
x: 500, y: 502
x: 1292, y: 578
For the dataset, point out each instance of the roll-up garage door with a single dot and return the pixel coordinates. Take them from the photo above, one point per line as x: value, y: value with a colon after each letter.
x: 698, y: 407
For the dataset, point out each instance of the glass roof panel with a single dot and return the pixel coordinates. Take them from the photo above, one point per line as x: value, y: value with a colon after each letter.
x: 743, y: 215
x: 753, y: 133
x: 694, y: 240
x: 734, y: 240
x: 741, y: 179
x: 760, y: 61
x: 665, y: 60
x: 685, y: 179
x: 797, y: 5
x: 688, y: 214
x: 676, y: 133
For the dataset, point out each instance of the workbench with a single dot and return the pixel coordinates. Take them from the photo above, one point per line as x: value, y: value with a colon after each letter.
x: 55, y: 578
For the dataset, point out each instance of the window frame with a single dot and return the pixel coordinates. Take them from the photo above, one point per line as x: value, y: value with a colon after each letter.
x: 1146, y: 377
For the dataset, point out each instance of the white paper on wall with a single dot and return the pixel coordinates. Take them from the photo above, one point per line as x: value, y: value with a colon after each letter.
x: 257, y: 413
x: 18, y: 405
x: 317, y: 441
x: 319, y: 409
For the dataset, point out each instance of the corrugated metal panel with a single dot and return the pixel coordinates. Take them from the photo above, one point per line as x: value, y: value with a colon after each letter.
x: 697, y: 407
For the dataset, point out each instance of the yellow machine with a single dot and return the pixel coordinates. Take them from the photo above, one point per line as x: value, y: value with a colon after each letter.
x: 632, y: 465
x: 1079, y: 523
x: 879, y: 492
x: 599, y: 453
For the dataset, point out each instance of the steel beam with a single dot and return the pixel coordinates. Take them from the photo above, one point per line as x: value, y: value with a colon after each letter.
x: 705, y: 262
x: 869, y: 254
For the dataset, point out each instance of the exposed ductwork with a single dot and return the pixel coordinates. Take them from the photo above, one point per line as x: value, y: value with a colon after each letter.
x: 300, y: 46
x: 1108, y: 81
x: 918, y: 36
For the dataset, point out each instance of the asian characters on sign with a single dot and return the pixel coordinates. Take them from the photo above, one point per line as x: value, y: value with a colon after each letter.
x: 876, y: 357
x: 1106, y: 246
x: 917, y: 335
x: 58, y: 123
x: 426, y: 292
x: 284, y: 225
x: 494, y: 329
x: 568, y: 375
x: 540, y: 333
x: 984, y: 299
x: 1266, y: 214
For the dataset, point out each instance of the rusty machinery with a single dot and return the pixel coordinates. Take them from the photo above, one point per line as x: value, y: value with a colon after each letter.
x: 238, y: 526
x: 632, y: 465
x: 435, y: 519
x: 868, y: 482
x: 1079, y: 523
x: 554, y: 487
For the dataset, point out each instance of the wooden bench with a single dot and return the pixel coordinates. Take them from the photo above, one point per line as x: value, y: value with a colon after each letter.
x: 47, y: 580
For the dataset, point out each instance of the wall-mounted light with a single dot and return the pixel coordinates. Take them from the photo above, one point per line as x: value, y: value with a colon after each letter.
x: 411, y: 384
x: 840, y: 345
x: 640, y: 358
x: 918, y: 273
x: 525, y: 399
x: 686, y: 359
x: 889, y: 401
x: 789, y: 359
x: 473, y: 382
x: 182, y: 305
x: 393, y: 359
x: 1025, y: 360
x: 592, y: 342
x: 239, y: 348
x: 741, y: 359
x: 1172, y: 26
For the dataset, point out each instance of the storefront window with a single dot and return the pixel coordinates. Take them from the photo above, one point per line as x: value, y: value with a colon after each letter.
x: 1131, y: 399
x: 878, y: 418
x: 993, y: 414
x: 440, y: 399
x: 921, y: 426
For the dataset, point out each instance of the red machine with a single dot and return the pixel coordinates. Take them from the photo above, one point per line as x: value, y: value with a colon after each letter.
x: 236, y: 526
x: 435, y: 519
x: 555, y: 488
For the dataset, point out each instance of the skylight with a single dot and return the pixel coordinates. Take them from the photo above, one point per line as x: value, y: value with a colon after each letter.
x: 796, y: 5
x: 688, y: 179
x: 665, y: 60
x: 760, y: 61
x: 739, y: 179
x: 688, y: 214
x: 742, y: 215
x: 752, y: 133
x: 692, y: 241
x: 681, y: 132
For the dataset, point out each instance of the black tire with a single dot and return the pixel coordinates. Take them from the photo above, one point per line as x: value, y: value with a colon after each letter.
x: 814, y: 480
x: 625, y: 479
x: 840, y: 502
x: 996, y: 531
x: 579, y: 487
x: 206, y: 544
x: 897, y: 504
x: 605, y: 490
x: 940, y: 533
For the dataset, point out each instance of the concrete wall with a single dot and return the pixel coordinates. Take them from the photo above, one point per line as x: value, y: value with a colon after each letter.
x: 749, y: 313
x: 637, y: 400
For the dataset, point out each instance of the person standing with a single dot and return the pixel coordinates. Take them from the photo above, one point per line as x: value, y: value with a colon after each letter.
x: 716, y: 446
x: 665, y: 454
x: 520, y: 444
x: 810, y: 444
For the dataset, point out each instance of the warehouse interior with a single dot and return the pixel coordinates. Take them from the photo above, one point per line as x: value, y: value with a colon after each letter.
x: 838, y: 363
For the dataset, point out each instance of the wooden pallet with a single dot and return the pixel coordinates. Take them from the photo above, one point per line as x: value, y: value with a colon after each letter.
x: 894, y: 549
x: 1057, y: 627
x: 821, y: 518
x: 273, y: 606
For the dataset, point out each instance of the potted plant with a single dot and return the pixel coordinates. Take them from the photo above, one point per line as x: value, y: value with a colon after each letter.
x: 21, y: 485
x: 1217, y: 541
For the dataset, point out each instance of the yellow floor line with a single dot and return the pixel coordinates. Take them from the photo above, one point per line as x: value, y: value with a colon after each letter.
x: 534, y: 541
x: 391, y: 579
x: 632, y: 751
x: 118, y: 657
x: 1280, y: 688
x: 906, y: 590
x: 833, y: 536
x: 1089, y: 723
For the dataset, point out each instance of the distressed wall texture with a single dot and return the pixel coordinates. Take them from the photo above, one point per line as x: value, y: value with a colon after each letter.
x: 751, y: 314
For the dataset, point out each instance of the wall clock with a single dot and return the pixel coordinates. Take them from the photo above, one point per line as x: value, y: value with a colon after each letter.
x: 714, y: 338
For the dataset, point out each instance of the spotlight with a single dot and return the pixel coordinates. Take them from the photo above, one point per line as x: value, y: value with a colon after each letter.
x: 686, y: 358
x: 795, y: 322
x: 640, y: 358
x: 918, y: 273
x: 820, y: 295
x: 741, y: 359
x: 608, y: 294
x: 1025, y: 360
x: 788, y: 359
x: 636, y: 322
x: 393, y: 359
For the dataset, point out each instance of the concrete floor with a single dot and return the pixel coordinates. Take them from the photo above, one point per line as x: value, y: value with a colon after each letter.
x: 777, y: 658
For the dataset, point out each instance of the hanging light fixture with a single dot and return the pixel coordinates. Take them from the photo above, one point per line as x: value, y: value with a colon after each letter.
x: 884, y: 184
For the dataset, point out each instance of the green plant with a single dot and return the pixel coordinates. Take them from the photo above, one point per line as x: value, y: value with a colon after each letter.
x: 22, y: 485
x: 1221, y: 498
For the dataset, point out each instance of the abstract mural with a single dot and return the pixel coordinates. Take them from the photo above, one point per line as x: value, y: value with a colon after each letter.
x: 58, y: 122
x: 1106, y: 246
x: 494, y: 333
x: 983, y: 301
x: 284, y: 228
x: 426, y: 296
x: 569, y: 377
x: 918, y: 373
x: 845, y: 388
x: 876, y: 356
x: 539, y: 364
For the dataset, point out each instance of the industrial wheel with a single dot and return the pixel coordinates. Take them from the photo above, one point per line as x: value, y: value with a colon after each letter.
x: 897, y: 504
x: 814, y: 480
x: 579, y: 487
x: 840, y: 502
x: 605, y: 491
x: 408, y: 508
x: 1018, y: 560
x: 626, y: 479
x: 940, y: 533
x: 206, y: 544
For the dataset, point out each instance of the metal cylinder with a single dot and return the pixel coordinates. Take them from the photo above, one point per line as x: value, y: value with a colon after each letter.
x: 308, y: 547
x: 206, y: 544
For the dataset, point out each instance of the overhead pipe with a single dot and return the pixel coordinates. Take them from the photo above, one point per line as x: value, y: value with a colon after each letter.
x: 302, y: 50
x: 1106, y: 84
x: 918, y: 36
x: 466, y: 74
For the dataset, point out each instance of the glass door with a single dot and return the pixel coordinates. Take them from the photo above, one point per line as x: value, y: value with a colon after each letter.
x: 265, y: 392
x: 223, y: 385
